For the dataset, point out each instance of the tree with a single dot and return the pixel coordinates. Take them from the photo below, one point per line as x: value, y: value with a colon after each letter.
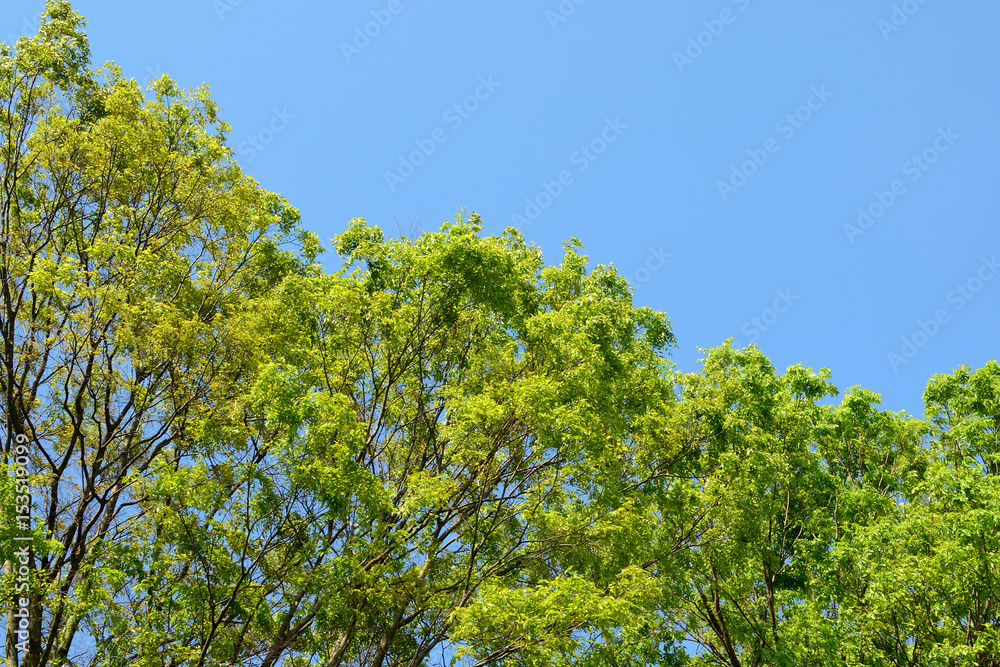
x: 129, y: 240
x: 434, y: 425
x: 446, y: 451
x: 239, y: 459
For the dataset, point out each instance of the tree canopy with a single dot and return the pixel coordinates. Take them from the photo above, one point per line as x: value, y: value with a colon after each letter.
x: 446, y: 452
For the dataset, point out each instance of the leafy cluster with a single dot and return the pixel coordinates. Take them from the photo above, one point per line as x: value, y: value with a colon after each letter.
x: 447, y: 451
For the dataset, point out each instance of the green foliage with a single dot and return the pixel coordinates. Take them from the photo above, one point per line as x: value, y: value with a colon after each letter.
x: 449, y: 451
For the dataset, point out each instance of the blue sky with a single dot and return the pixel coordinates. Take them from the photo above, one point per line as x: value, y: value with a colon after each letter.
x: 817, y: 178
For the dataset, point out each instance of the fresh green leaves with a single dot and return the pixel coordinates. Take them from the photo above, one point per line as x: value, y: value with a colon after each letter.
x: 447, y: 451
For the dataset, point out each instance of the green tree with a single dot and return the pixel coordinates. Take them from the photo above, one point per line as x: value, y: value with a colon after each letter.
x: 244, y: 460
x: 443, y: 420
x: 762, y: 497
x: 445, y: 451
x: 129, y: 241
x: 909, y: 573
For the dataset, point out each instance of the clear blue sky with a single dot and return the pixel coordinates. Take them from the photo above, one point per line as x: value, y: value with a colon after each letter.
x: 633, y: 113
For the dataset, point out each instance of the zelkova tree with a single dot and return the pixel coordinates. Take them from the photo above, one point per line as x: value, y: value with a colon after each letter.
x: 444, y: 419
x: 130, y: 240
x: 446, y: 452
x: 235, y: 459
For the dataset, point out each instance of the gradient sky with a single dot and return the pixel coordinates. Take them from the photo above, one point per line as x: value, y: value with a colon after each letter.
x: 720, y: 154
